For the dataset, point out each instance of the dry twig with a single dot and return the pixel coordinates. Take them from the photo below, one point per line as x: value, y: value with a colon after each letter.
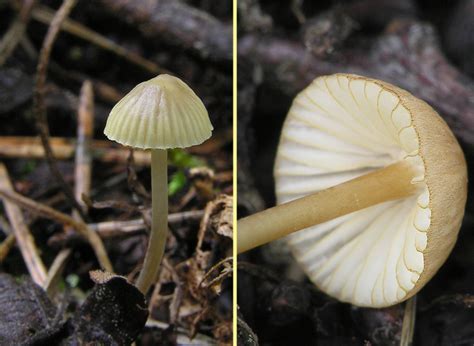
x: 119, y: 228
x: 16, y: 31
x: 22, y: 234
x: 64, y: 148
x: 39, y: 104
x: 55, y: 271
x: 82, y: 173
x: 79, y: 226
x: 85, y: 132
x: 45, y: 15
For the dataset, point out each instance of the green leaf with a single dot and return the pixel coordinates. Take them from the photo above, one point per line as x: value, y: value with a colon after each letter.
x: 181, y: 159
x: 177, y: 182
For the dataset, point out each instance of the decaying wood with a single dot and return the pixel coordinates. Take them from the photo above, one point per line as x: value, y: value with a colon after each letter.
x: 22, y: 234
x: 407, y: 55
x: 179, y: 24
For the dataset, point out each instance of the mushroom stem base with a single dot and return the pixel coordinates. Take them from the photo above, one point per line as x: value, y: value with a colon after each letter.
x: 386, y: 184
x: 159, y: 220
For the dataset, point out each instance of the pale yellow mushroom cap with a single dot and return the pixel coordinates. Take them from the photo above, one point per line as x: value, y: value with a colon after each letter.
x: 160, y: 113
x: 341, y: 127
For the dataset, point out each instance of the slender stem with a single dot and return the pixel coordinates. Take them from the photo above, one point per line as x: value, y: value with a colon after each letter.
x: 408, y: 326
x: 386, y: 184
x: 159, y: 219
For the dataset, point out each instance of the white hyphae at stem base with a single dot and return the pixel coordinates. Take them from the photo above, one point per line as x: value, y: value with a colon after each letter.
x: 342, y: 127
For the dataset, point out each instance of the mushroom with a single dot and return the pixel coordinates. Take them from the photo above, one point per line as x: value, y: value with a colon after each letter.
x: 376, y: 184
x: 158, y: 114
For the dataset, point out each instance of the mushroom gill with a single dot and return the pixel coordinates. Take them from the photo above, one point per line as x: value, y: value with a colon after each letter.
x: 339, y: 128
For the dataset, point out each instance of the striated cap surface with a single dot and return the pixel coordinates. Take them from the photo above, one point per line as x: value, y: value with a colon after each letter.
x: 161, y: 113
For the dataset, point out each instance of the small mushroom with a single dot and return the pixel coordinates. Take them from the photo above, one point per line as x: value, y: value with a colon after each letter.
x: 377, y: 184
x: 158, y: 114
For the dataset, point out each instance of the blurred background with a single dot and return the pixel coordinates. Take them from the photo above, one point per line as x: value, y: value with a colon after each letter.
x: 425, y: 47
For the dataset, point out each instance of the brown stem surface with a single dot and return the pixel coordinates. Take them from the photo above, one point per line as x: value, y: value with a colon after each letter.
x: 386, y: 184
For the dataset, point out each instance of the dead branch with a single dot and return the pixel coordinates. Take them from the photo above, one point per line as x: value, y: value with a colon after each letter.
x: 22, y: 234
x: 104, y: 151
x: 111, y: 229
x: 175, y: 220
x: 45, y: 15
x: 79, y: 226
x: 15, y: 32
x: 82, y: 174
x: 85, y: 132
x: 179, y: 24
x: 407, y: 55
x: 64, y: 148
x: 39, y: 104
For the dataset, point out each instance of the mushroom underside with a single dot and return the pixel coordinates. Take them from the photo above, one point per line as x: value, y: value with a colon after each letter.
x: 337, y: 129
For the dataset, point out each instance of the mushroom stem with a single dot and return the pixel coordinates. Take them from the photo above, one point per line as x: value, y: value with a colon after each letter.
x: 159, y: 220
x: 386, y: 184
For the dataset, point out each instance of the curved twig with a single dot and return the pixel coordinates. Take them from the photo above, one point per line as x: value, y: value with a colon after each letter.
x: 15, y: 33
x: 41, y: 209
x: 39, y: 104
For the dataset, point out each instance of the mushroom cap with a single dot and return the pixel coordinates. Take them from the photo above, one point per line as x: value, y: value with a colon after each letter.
x: 343, y: 126
x: 160, y: 113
